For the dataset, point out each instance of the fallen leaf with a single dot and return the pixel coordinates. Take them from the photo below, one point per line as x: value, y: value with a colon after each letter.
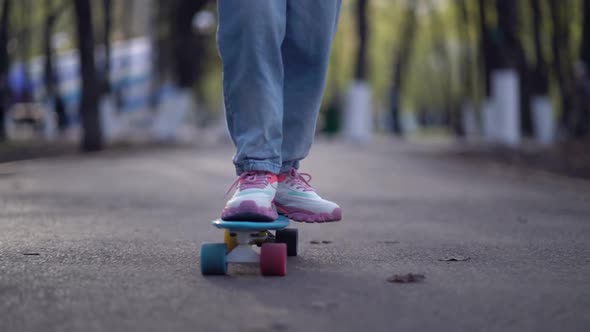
x: 314, y: 242
x: 455, y: 259
x: 31, y: 253
x: 522, y: 220
x: 278, y: 326
x: 388, y: 242
x: 326, y: 242
x: 406, y: 278
x: 321, y: 305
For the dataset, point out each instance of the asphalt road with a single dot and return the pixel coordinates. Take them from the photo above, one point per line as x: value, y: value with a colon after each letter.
x: 110, y: 242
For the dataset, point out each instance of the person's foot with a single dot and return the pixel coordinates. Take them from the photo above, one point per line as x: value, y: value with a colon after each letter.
x: 253, y: 199
x: 297, y: 200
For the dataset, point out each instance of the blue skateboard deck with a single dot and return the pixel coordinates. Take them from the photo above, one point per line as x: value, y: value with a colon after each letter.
x: 280, y: 223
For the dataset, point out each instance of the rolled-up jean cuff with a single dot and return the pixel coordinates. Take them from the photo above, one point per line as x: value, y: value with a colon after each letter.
x: 257, y: 165
x: 287, y: 165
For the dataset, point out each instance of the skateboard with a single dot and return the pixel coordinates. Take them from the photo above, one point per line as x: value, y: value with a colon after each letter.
x: 239, y: 246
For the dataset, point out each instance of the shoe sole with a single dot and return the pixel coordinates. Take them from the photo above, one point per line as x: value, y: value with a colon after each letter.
x: 302, y: 215
x: 249, y: 211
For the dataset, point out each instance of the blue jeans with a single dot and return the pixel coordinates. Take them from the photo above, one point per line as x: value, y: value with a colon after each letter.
x: 275, y: 56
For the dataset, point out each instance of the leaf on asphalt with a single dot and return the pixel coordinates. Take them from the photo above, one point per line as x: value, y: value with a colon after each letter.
x: 320, y: 242
x: 31, y: 253
x: 406, y: 278
x: 278, y: 326
x: 455, y: 259
x: 323, y: 305
x: 388, y: 242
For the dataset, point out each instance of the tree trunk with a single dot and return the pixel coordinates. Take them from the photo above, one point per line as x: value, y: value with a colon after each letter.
x: 540, y: 81
x: 512, y: 56
x: 188, y: 47
x: 465, y: 72
x: 24, y: 43
x: 50, y: 77
x: 91, y: 128
x: 559, y: 40
x: 585, y: 49
x: 451, y: 116
x: 362, y: 33
x: 4, y: 63
x: 466, y: 54
x: 402, y: 55
x: 486, y: 49
x: 108, y: 19
x: 584, y: 86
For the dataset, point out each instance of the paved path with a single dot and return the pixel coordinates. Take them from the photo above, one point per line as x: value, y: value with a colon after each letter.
x: 110, y: 243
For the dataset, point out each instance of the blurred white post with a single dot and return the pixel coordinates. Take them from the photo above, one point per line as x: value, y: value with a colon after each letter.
x: 543, y: 120
x: 506, y: 93
x: 49, y: 122
x: 171, y: 113
x: 468, y: 119
x: 358, y: 124
x: 107, y: 117
x: 489, y: 122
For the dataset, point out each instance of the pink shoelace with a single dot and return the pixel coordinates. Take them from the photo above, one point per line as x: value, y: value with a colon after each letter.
x: 298, y: 180
x: 249, y: 180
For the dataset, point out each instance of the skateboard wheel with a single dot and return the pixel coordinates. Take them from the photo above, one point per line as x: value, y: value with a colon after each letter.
x: 213, y: 260
x: 289, y: 237
x: 273, y: 259
x: 230, y: 241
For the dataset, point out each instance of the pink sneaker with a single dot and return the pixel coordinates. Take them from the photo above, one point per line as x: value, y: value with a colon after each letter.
x: 253, y: 199
x: 297, y: 200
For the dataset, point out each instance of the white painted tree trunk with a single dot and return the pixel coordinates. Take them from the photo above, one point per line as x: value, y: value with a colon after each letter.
x: 506, y: 94
x: 469, y: 119
x: 49, y: 122
x: 543, y: 119
x: 108, y: 118
x: 408, y: 121
x: 488, y: 119
x: 171, y: 114
x: 358, y: 124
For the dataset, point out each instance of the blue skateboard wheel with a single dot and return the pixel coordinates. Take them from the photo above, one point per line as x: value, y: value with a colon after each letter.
x: 213, y: 259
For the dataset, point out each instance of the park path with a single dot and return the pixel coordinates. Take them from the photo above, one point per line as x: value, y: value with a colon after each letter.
x: 109, y: 242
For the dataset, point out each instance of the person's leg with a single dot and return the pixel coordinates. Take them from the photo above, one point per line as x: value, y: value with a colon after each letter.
x: 311, y: 25
x: 250, y: 36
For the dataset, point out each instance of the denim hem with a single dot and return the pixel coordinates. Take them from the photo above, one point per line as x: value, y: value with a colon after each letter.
x: 287, y: 165
x: 257, y: 165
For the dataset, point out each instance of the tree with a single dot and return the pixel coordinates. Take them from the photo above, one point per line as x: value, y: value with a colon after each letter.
x: 540, y: 80
x: 451, y: 116
x: 187, y: 47
x: 486, y: 47
x: 360, y: 73
x: 511, y: 55
x: 4, y: 63
x: 560, y: 50
x: 50, y: 77
x: 585, y: 49
x: 583, y: 127
x: 107, y: 12
x: 91, y: 127
x: 466, y: 63
x: 400, y: 63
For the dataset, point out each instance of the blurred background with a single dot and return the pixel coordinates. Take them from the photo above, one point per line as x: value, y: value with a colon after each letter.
x: 440, y: 122
x: 500, y: 78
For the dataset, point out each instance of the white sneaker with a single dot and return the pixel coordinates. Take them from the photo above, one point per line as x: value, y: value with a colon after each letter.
x: 253, y: 199
x: 297, y: 200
